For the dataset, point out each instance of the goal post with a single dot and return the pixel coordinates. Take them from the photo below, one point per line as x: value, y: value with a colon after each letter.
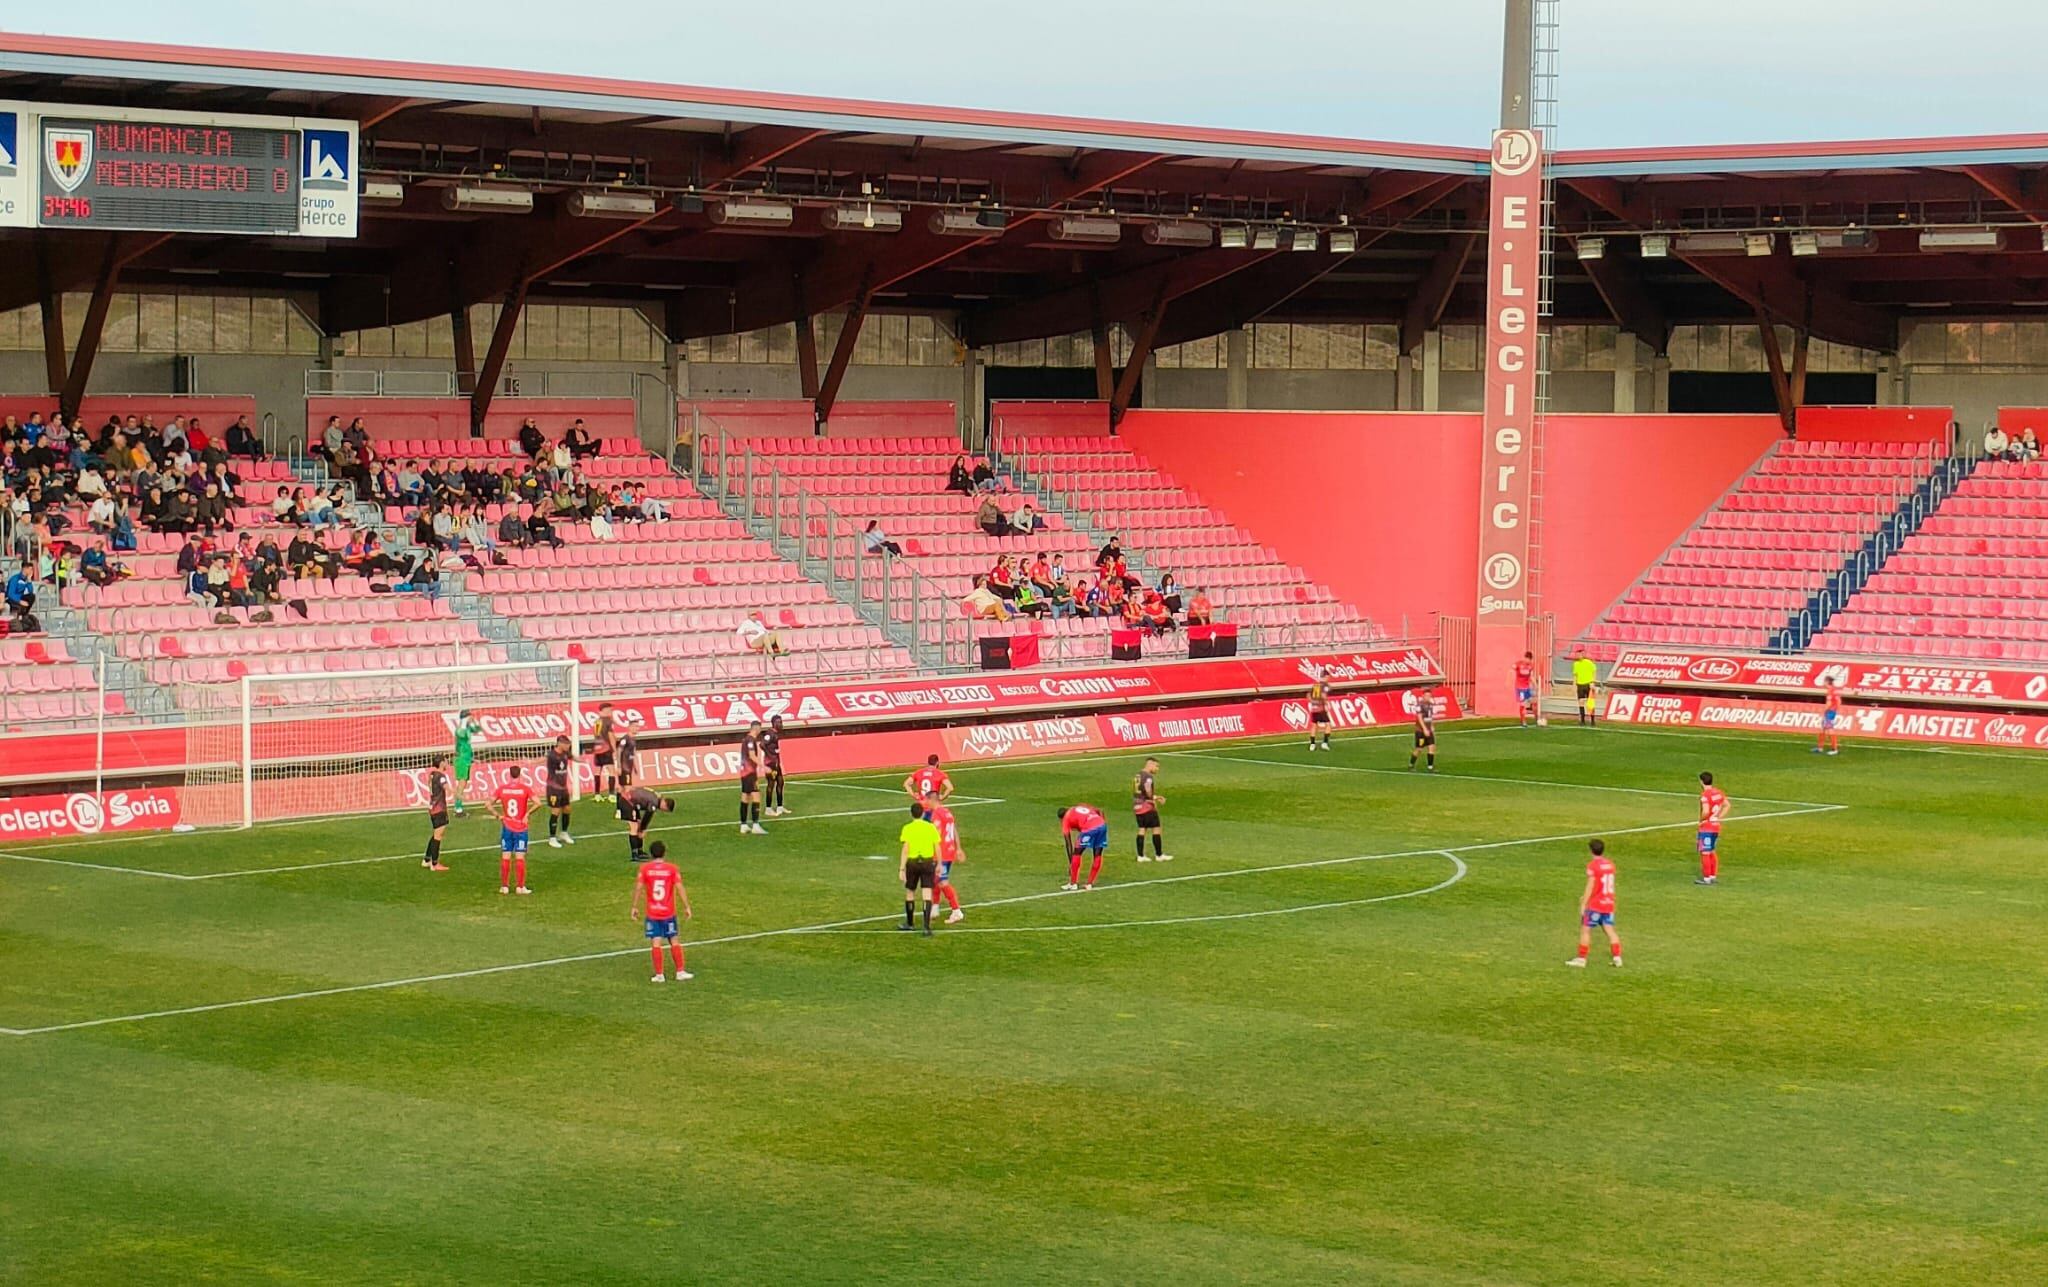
x: 363, y: 741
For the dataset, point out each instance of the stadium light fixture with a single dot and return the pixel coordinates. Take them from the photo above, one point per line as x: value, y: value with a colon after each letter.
x: 1592, y: 247
x: 1087, y: 228
x: 686, y: 203
x: 1655, y: 246
x: 1713, y: 243
x: 1947, y: 239
x: 499, y: 200
x: 383, y: 192
x: 1265, y: 239
x: 968, y: 223
x: 1180, y: 232
x: 1805, y: 245
x: 611, y: 205
x: 1758, y: 244
x: 1234, y: 236
x: 748, y: 212
x: 1343, y: 241
x: 864, y: 218
x: 1304, y: 239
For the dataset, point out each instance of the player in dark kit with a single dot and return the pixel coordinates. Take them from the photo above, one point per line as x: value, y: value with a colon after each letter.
x: 626, y: 752
x: 750, y: 782
x: 439, y: 788
x: 1145, y: 802
x: 1425, y: 728
x: 771, y: 766
x: 637, y: 807
x: 559, y: 764
x: 1318, y: 713
x: 602, y: 747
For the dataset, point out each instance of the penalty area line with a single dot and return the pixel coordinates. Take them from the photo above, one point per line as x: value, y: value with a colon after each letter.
x: 825, y: 928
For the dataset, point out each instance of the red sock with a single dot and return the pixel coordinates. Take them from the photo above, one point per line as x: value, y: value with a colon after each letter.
x: 1096, y: 870
x: 1614, y: 949
x: 504, y: 870
x: 1582, y: 951
x: 1074, y: 869
x: 952, y: 898
x: 1714, y: 865
x: 522, y: 872
x: 675, y: 950
x: 657, y: 960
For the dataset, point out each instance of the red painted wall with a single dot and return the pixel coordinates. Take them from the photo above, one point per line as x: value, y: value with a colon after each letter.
x: 2015, y: 419
x: 215, y: 413
x: 791, y: 417
x: 388, y: 418
x: 1618, y: 490
x: 1875, y: 424
x: 1381, y: 506
x: 1073, y: 419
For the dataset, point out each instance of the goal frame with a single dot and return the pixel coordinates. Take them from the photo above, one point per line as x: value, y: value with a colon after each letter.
x: 248, y: 685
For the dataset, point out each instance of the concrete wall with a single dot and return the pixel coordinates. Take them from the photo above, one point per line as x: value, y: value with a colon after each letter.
x: 1976, y: 397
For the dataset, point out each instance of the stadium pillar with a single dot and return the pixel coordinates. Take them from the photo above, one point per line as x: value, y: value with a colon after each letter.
x: 973, y: 400
x: 1237, y: 368
x: 1626, y: 366
x: 806, y: 343
x: 1105, y: 359
x: 1138, y: 358
x: 52, y: 301
x: 1404, y: 381
x: 465, y: 349
x: 1660, y: 384
x: 89, y: 333
x: 494, y: 357
x: 842, y: 356
x: 1514, y: 241
x: 1432, y: 370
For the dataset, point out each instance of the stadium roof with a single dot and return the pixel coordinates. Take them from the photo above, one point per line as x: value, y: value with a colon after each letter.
x: 1415, y: 211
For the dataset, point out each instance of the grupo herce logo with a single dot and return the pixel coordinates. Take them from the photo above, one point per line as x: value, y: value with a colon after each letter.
x: 1503, y: 571
x: 325, y: 161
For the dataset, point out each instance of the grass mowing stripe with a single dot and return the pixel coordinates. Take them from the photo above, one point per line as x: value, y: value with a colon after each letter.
x: 614, y: 953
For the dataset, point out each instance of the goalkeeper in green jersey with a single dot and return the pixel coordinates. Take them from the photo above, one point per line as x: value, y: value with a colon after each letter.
x: 466, y: 729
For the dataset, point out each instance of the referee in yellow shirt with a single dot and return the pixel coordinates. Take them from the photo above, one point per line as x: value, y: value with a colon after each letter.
x: 1584, y: 675
x: 918, y: 867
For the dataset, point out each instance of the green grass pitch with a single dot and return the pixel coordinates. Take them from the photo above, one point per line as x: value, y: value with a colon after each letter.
x: 1334, y: 1041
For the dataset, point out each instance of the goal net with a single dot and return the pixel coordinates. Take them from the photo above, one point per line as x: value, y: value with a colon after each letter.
x: 303, y: 746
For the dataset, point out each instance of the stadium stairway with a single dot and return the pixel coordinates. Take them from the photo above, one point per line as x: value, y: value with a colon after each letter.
x: 1861, y: 565
x: 1767, y: 550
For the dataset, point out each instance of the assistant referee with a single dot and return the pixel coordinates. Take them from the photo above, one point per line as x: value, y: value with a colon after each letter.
x: 918, y: 867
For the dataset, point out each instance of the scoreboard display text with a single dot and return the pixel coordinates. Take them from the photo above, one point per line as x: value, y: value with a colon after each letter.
x: 171, y: 175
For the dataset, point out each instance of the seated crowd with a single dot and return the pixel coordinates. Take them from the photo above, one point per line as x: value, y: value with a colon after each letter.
x: 1043, y: 587
x: 2022, y: 446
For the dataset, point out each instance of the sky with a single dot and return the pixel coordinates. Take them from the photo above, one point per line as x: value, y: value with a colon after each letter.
x: 1632, y: 72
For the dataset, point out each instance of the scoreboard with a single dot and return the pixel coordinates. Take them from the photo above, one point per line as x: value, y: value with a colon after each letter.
x: 119, y: 168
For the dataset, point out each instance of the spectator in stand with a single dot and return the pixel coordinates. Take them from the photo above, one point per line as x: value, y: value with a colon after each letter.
x: 100, y: 515
x: 95, y: 567
x: 1996, y: 444
x: 531, y: 439
x: 411, y: 486
x: 330, y: 440
x: 1111, y: 550
x: 197, y: 441
x: 1200, y: 611
x: 325, y: 509
x: 960, y: 478
x: 876, y: 541
x: 757, y: 636
x: 1026, y: 522
x: 307, y: 557
x: 21, y: 589
x: 1132, y: 612
x: 1002, y: 580
x: 211, y: 512
x: 1027, y: 602
x: 1060, y: 599
x: 288, y: 506
x: 167, y: 513
x: 601, y: 527
x: 562, y: 459
x: 91, y: 484
x: 123, y: 535
x: 1115, y: 594
x: 512, y: 529
x: 578, y: 440
x: 989, y: 518
x: 266, y: 570
x: 985, y: 479
x: 476, y: 533
x: 540, y: 531
x: 1169, y: 591
x: 2028, y: 447
x: 242, y: 440
x: 982, y: 604
x: 1039, y: 574
x: 198, y: 588
x: 1158, y: 618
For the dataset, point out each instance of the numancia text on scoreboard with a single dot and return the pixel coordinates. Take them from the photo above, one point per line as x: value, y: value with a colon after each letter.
x: 1513, y: 259
x: 113, y: 168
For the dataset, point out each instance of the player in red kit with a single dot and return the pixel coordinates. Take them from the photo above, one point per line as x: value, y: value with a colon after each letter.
x: 661, y: 885
x: 1525, y: 687
x: 1830, y: 722
x: 1596, y: 906
x: 510, y: 806
x: 931, y: 780
x: 1713, y: 811
x: 949, y: 853
x: 1082, y: 829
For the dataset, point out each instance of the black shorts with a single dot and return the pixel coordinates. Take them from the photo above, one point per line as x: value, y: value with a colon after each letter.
x: 438, y: 820
x: 749, y: 783
x: 1425, y: 737
x: 1318, y: 716
x: 625, y: 775
x: 1149, y: 818
x: 602, y: 759
x: 1585, y: 691
x: 558, y: 798
x: 920, y: 873
x: 636, y: 816
x: 773, y: 768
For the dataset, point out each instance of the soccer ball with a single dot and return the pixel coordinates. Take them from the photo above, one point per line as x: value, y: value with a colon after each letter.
x: 1543, y: 721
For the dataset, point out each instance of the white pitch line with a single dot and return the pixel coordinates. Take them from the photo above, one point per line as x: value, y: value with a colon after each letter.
x: 1457, y: 874
x: 1864, y: 743
x: 1475, y: 777
x: 94, y: 866
x: 828, y: 926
